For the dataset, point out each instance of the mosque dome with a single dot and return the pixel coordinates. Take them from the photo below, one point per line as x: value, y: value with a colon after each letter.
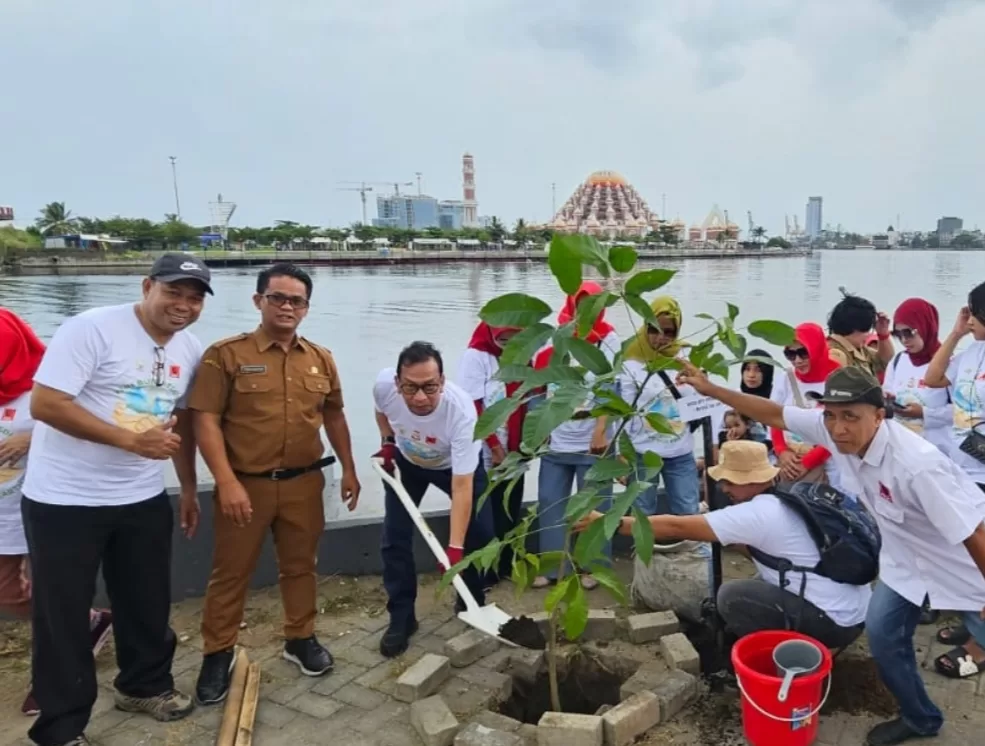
x: 605, y: 203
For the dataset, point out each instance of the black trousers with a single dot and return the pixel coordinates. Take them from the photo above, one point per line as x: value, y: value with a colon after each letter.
x: 67, y: 544
x: 506, y: 515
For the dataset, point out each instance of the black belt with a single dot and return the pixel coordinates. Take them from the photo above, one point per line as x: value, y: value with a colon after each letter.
x: 279, y: 475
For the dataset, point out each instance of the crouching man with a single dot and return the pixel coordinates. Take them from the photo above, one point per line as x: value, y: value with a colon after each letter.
x: 776, y: 535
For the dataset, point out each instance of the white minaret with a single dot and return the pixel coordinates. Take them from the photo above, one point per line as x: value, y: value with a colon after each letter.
x: 471, y: 218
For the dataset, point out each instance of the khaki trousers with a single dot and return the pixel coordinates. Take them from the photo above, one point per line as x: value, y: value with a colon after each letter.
x: 292, y: 510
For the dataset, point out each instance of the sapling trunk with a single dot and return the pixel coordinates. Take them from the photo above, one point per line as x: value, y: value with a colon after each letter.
x: 552, y: 633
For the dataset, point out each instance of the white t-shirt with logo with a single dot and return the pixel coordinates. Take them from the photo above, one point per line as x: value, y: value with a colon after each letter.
x: 656, y: 398
x: 773, y: 528
x: 15, y: 419
x: 966, y: 372
x: 441, y: 440
x: 477, y: 376
x: 107, y: 361
x: 906, y: 382
x: 575, y: 436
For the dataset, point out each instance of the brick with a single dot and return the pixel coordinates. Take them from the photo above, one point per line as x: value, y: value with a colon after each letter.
x: 631, y: 718
x: 496, y: 721
x: 315, y: 705
x: 273, y: 714
x: 527, y: 664
x: 498, y: 683
x: 433, y: 721
x: 675, y: 690
x: 479, y: 735
x: 359, y: 696
x: 679, y: 653
x: 647, y: 677
x: 567, y: 729
x: 602, y: 710
x: 651, y: 627
x: 423, y: 678
x: 528, y: 733
x: 602, y: 625
x: 498, y: 661
x: 468, y: 647
x: 466, y: 700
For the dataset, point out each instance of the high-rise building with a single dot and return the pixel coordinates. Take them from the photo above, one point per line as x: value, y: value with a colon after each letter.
x: 471, y: 217
x: 814, y: 222
x: 412, y: 211
x: 947, y: 229
x: 451, y: 214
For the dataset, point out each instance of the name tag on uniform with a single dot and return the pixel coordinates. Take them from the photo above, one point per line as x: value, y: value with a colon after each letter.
x: 253, y: 369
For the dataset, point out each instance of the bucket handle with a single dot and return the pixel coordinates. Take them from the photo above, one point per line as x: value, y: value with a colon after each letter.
x: 771, y: 716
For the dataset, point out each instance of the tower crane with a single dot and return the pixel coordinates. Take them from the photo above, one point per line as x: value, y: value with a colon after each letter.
x: 362, y: 189
x: 752, y: 226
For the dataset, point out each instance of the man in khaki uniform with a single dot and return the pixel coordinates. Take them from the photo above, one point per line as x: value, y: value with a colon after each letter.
x: 260, y: 401
x: 849, y: 323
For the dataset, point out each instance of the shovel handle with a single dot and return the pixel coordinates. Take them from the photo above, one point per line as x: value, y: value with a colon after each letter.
x: 422, y: 526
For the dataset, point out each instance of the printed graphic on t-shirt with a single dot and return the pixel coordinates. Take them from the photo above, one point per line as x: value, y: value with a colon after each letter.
x: 666, y: 405
x: 11, y: 476
x: 909, y: 393
x: 421, y: 449
x: 143, y: 404
x: 967, y: 400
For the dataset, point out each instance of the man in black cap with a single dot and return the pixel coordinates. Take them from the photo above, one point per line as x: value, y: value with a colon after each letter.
x: 930, y: 515
x: 109, y: 403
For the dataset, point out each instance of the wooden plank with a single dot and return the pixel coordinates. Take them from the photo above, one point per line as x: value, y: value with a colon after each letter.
x: 234, y: 701
x: 248, y: 713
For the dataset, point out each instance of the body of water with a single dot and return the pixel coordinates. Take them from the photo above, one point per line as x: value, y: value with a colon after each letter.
x: 366, y: 315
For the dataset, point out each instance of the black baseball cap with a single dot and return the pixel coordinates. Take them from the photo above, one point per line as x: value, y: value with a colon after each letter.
x: 851, y: 385
x: 175, y: 267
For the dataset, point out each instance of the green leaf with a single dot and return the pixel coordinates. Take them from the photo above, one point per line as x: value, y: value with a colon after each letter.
x: 606, y: 470
x: 620, y: 507
x: 706, y: 316
x: 558, y: 592
x: 610, y: 581
x: 575, y: 617
x: 653, y: 463
x: 648, y: 280
x: 736, y: 343
x: 489, y: 554
x: 497, y: 414
x: 699, y: 352
x: 514, y: 309
x: 566, y: 256
x: 554, y: 373
x: 733, y: 311
x: 642, y: 309
x: 626, y: 448
x: 609, y: 402
x: 549, y: 562
x: 524, y: 345
x: 589, y: 309
x: 520, y: 574
x: 590, y: 356
x: 657, y: 421
x: 542, y: 421
x: 589, y: 544
x: 583, y: 502
x: 642, y: 536
x: 775, y: 332
x: 623, y: 258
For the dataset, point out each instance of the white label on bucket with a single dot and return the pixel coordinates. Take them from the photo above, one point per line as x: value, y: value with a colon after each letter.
x: 800, y: 718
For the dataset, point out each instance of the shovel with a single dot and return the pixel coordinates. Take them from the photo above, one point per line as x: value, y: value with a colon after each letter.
x: 488, y: 619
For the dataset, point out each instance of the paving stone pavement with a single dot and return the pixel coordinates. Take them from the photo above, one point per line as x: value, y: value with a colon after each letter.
x: 354, y: 706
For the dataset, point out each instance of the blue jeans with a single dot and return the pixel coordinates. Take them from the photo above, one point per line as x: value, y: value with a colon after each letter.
x: 397, y: 550
x: 680, y: 477
x: 558, y: 471
x: 890, y: 624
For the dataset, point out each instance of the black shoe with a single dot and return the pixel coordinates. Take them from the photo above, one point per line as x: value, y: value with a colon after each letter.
x: 310, y: 656
x: 396, y: 638
x: 893, y: 732
x: 213, y: 679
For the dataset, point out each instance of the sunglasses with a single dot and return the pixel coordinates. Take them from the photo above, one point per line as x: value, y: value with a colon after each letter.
x: 800, y: 352
x: 411, y: 389
x: 160, y: 363
x: 904, y: 334
x: 279, y: 299
x: 671, y: 332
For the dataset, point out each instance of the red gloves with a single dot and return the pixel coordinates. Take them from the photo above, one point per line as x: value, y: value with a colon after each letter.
x: 455, y: 555
x: 388, y: 452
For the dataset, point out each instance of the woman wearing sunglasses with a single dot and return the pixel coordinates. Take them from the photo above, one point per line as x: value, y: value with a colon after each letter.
x: 811, y: 362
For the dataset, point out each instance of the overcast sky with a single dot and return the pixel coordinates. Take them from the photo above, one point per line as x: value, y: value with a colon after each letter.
x: 751, y: 104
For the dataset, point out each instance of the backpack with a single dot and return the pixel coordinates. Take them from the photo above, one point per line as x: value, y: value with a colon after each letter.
x: 846, y: 536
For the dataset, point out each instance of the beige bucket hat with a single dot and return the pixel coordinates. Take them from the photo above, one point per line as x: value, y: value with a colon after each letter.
x: 743, y: 462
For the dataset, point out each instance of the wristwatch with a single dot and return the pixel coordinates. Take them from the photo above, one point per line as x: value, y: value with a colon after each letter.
x: 388, y: 440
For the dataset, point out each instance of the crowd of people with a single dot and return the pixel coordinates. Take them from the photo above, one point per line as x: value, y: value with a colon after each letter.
x: 86, y: 423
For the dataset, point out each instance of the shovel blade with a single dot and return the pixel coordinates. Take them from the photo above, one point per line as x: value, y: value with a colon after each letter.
x: 488, y: 620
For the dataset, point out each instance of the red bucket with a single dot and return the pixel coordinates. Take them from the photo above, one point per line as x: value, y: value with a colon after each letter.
x: 765, y: 720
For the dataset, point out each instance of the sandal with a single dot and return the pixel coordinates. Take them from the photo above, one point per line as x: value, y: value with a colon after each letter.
x: 542, y: 581
x: 588, y: 582
x: 959, y: 664
x: 954, y: 635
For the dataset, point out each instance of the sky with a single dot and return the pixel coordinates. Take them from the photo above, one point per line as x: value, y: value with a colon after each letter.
x: 753, y: 105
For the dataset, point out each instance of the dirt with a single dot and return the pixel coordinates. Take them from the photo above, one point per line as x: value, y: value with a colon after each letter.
x: 856, y: 689
x: 524, y: 632
x: 585, y: 683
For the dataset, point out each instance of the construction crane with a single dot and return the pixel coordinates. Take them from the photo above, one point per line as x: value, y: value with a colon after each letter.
x: 752, y: 225
x: 362, y: 189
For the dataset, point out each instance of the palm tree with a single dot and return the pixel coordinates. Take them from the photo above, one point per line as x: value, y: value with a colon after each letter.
x: 520, y: 231
x: 759, y: 233
x: 54, y: 218
x: 496, y: 230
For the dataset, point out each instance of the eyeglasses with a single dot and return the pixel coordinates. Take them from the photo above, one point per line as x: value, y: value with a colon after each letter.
x: 411, y: 389
x: 672, y: 333
x: 904, y: 334
x: 800, y: 352
x: 279, y: 300
x: 159, y: 364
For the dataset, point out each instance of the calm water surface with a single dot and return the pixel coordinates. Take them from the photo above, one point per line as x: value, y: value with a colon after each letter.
x: 365, y: 315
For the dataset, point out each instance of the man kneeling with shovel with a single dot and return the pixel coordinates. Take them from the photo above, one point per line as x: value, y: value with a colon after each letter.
x: 832, y: 613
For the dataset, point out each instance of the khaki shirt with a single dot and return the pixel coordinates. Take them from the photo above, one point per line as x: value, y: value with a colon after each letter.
x: 844, y: 352
x: 272, y: 403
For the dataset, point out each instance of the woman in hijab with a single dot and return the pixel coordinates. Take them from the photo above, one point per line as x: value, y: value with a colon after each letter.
x: 574, y: 444
x: 811, y: 363
x: 757, y: 380
x: 666, y: 435
x: 20, y: 355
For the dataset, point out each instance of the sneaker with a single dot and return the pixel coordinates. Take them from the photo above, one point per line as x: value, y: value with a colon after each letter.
x: 310, y: 656
x: 397, y: 637
x: 100, y: 628
x: 30, y: 706
x: 894, y: 732
x: 77, y: 741
x: 213, y: 680
x: 172, y: 705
